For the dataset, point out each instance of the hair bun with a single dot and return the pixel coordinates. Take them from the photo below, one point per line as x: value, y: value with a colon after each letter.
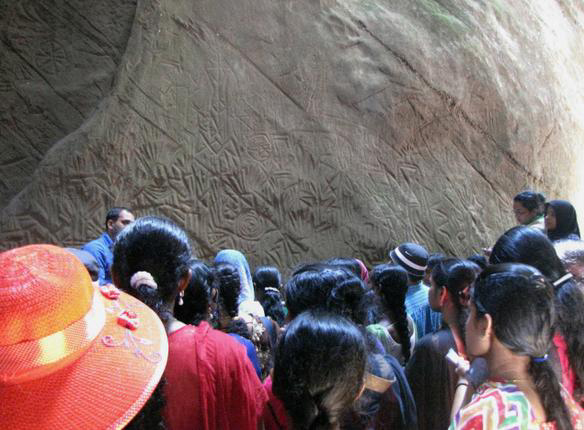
x: 143, y: 278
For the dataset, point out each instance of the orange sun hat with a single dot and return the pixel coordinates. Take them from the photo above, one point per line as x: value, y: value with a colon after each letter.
x: 72, y: 356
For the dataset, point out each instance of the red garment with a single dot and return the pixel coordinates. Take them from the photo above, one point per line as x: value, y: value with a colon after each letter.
x: 210, y: 382
x: 568, y: 375
x: 275, y: 415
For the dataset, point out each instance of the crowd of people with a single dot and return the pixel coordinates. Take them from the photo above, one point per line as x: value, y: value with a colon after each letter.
x: 133, y: 331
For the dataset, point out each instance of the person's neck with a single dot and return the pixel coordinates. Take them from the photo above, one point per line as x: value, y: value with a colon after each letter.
x: 171, y: 324
x: 532, y: 219
x: 504, y: 365
x: 450, y: 317
x: 224, y: 320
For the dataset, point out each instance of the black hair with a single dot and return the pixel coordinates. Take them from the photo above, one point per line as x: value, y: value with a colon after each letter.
x: 371, y: 308
x: 520, y: 302
x: 346, y: 298
x: 479, y: 260
x: 150, y: 417
x: 460, y: 276
x: 456, y: 276
x: 391, y: 283
x: 434, y: 259
x: 350, y: 264
x: 228, y: 284
x: 310, y: 286
x: 528, y: 246
x: 114, y: 213
x: 318, y: 370
x: 531, y: 200
x: 267, y: 281
x: 197, y: 295
x: 570, y: 306
x: 566, y: 220
x: 159, y: 247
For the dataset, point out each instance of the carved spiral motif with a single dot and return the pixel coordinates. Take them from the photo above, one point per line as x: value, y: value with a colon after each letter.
x: 248, y: 225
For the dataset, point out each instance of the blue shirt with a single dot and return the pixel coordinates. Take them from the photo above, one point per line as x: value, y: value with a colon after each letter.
x: 251, y: 352
x: 418, y: 308
x: 102, y: 249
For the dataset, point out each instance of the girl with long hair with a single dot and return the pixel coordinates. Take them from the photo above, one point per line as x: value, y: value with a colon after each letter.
x: 511, y: 325
x: 527, y: 246
x: 396, y: 330
x: 319, y: 368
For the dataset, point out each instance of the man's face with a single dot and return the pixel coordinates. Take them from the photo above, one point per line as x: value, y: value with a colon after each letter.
x: 522, y: 214
x: 124, y: 220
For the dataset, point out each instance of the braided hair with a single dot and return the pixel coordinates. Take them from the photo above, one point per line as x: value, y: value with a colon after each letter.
x: 391, y: 284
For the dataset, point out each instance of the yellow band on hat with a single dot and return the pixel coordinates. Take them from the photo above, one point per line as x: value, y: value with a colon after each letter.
x: 37, y: 358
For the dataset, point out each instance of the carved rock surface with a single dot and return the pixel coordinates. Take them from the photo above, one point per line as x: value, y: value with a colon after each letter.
x: 291, y: 130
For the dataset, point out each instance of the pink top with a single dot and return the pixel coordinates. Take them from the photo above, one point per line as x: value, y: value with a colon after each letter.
x: 210, y: 383
x: 275, y: 415
x: 568, y: 375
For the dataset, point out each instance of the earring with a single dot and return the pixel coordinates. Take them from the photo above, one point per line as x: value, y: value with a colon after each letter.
x: 180, y: 298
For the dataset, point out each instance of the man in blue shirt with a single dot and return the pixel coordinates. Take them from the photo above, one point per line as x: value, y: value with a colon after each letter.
x: 102, y: 248
x: 414, y: 258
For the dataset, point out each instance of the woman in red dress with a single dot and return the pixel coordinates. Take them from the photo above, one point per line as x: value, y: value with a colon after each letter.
x: 210, y: 383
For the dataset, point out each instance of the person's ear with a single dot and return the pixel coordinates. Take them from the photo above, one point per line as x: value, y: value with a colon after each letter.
x: 184, y: 281
x: 444, y: 296
x: 486, y: 326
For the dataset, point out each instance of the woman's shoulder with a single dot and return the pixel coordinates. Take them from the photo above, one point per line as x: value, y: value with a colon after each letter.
x: 490, y: 404
x: 203, y: 335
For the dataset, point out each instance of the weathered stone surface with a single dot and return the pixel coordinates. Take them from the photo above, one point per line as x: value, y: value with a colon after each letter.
x: 291, y: 130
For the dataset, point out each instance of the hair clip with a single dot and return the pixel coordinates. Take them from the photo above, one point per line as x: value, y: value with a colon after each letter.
x: 143, y: 278
x: 540, y: 359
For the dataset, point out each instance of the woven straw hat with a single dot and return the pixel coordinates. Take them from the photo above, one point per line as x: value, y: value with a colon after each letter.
x: 69, y: 357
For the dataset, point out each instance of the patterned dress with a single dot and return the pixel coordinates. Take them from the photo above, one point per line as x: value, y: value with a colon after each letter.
x: 498, y: 405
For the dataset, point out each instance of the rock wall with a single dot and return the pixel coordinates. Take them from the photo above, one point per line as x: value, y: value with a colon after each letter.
x: 291, y: 130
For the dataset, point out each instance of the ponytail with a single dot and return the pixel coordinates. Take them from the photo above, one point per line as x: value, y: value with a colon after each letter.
x: 144, y: 288
x: 228, y: 284
x: 549, y: 389
x: 403, y: 331
x: 521, y: 304
x: 391, y: 282
x: 272, y: 304
x: 267, y: 281
x: 460, y: 274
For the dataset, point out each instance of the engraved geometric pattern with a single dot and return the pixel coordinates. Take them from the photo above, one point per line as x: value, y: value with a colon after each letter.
x: 289, y: 130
